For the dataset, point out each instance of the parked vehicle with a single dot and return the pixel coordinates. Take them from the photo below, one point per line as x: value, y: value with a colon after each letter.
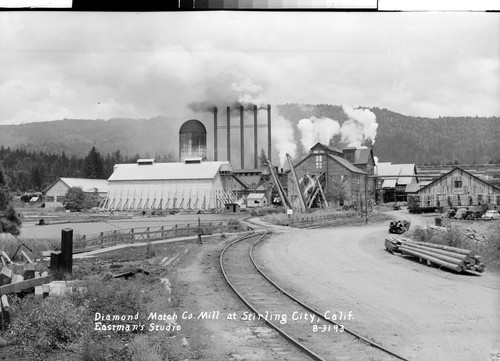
x: 491, y: 214
x: 461, y: 213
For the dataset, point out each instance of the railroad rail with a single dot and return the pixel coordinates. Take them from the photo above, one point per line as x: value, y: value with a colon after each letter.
x: 319, y: 338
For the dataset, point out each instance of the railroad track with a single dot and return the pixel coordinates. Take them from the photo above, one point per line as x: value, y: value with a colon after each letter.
x: 317, y: 337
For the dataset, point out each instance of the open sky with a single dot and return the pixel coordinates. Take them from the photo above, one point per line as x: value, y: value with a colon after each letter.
x: 56, y: 65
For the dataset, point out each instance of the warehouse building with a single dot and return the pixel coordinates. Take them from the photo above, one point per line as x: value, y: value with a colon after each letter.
x: 191, y: 184
x: 54, y: 193
x: 457, y: 188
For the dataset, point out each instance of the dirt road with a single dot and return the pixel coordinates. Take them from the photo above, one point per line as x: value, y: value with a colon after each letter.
x: 420, y: 312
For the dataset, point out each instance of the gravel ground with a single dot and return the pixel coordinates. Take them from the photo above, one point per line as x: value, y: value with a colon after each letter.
x: 420, y: 312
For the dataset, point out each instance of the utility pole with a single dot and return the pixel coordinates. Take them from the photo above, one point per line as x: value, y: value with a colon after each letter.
x: 366, y: 199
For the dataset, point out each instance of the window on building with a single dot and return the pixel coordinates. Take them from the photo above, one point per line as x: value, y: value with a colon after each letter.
x: 479, y: 199
x: 60, y: 198
x: 49, y: 198
x: 498, y: 199
x: 457, y: 182
x: 343, y: 178
x: 319, y: 161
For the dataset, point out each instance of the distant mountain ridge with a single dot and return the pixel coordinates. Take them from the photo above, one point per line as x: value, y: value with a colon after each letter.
x: 400, y: 138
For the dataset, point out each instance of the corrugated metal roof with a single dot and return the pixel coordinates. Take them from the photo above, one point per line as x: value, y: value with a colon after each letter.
x: 256, y: 196
x: 389, y: 183
x: 406, y: 169
x: 168, y: 171
x: 87, y: 185
x: 387, y: 169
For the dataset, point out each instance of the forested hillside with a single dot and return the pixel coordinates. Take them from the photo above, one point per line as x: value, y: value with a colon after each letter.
x: 76, y: 136
x: 408, y: 139
x: 35, y: 154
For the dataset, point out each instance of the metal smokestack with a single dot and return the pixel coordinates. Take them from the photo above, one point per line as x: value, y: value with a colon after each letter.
x: 255, y: 157
x: 242, y: 137
x: 269, y: 132
x: 229, y: 134
x: 215, y: 134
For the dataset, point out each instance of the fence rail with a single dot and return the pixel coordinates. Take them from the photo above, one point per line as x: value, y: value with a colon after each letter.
x: 131, y: 235
x: 302, y: 219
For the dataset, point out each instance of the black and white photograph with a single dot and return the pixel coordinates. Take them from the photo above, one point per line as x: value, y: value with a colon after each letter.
x: 250, y: 185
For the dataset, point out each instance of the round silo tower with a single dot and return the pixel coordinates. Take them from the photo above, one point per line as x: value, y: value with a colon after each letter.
x: 192, y: 140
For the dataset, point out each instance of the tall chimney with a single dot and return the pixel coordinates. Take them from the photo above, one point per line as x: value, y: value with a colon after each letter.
x: 242, y: 137
x: 215, y: 134
x: 255, y: 156
x: 269, y: 132
x: 229, y: 134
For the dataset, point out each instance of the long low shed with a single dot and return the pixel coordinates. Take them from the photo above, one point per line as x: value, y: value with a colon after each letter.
x: 192, y: 184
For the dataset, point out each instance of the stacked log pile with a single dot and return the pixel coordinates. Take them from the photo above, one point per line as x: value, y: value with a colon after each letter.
x: 453, y: 258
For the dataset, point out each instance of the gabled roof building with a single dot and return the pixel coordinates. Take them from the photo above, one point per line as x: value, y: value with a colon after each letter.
x: 54, y: 193
x: 457, y: 188
x: 191, y: 184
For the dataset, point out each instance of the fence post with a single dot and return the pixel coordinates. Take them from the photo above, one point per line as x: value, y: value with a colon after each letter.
x: 67, y: 249
x: 161, y: 231
x: 102, y: 237
x: 147, y: 233
x: 132, y: 239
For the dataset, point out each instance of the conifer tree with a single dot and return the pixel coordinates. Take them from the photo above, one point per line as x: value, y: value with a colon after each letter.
x: 9, y: 220
x: 93, y: 165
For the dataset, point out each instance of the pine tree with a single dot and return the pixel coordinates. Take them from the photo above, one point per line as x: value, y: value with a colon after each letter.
x: 9, y: 220
x: 93, y: 165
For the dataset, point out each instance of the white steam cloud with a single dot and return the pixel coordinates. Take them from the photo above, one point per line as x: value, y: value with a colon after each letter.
x: 314, y: 130
x: 248, y: 93
x: 283, y: 138
x: 361, y: 126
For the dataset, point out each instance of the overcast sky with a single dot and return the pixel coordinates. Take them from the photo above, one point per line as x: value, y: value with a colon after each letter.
x: 56, y: 65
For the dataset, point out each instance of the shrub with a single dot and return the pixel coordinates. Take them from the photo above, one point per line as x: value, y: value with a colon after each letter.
x: 143, y: 351
x: 47, y: 324
x: 114, y: 296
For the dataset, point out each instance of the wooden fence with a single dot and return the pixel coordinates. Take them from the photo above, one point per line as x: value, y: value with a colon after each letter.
x: 301, y: 219
x: 131, y: 235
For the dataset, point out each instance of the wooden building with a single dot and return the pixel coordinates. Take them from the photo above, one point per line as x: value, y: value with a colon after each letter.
x: 256, y: 200
x: 343, y: 183
x: 191, y: 184
x: 457, y: 188
x: 54, y: 193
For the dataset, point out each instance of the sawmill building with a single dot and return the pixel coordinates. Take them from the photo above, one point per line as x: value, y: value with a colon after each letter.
x: 191, y: 184
x: 457, y: 188
x: 343, y: 183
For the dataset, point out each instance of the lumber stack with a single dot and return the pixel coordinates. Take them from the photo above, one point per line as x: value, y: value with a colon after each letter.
x: 453, y: 258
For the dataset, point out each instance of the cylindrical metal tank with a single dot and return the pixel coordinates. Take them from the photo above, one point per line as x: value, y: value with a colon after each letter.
x: 192, y: 140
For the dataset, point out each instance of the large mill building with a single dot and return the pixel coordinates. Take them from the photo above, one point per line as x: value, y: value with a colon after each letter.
x: 191, y: 183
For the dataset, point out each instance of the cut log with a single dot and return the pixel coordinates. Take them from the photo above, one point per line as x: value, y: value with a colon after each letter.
x: 440, y: 246
x: 14, y: 287
x: 462, y: 257
x: 4, y: 255
x: 456, y: 261
x: 390, y: 245
x: 26, y: 256
x: 432, y: 259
